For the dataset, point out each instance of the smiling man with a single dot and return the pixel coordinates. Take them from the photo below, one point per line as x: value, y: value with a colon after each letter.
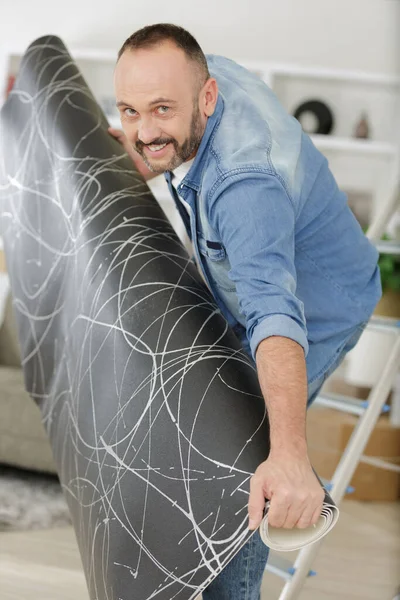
x: 166, y: 125
x: 284, y: 257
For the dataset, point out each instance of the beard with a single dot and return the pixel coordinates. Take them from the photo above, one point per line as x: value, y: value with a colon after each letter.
x: 182, y: 151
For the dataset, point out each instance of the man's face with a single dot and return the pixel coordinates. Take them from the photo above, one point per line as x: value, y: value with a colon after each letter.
x: 157, y: 96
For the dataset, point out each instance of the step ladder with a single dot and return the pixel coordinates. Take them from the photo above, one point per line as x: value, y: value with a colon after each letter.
x: 295, y: 575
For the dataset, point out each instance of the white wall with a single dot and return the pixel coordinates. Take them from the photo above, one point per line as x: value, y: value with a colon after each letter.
x: 355, y: 34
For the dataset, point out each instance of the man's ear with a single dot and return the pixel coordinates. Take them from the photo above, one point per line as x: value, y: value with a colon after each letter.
x: 209, y: 95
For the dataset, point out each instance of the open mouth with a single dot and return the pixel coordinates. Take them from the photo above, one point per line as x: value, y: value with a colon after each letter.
x: 156, y: 149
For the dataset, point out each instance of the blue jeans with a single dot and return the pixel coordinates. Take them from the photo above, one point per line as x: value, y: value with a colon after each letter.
x: 241, y: 578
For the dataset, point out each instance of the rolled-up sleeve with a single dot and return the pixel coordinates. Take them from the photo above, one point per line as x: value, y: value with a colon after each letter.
x: 255, y: 218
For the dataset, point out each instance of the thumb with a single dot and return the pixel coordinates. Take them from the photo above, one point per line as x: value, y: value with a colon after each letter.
x: 256, y: 502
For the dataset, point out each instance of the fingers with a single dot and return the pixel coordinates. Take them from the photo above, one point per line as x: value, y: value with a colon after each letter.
x: 256, y: 502
x: 295, y: 494
x: 117, y: 133
x: 318, y: 506
x: 305, y: 519
x: 299, y: 507
x: 309, y: 516
x: 291, y: 510
x: 316, y: 515
x: 278, y: 510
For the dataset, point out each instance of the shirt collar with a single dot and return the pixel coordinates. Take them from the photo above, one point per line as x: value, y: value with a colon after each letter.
x: 193, y: 177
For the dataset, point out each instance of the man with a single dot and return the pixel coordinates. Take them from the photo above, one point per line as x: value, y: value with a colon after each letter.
x: 283, y: 255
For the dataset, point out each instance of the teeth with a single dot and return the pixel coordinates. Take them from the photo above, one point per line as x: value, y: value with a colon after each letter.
x: 155, y: 148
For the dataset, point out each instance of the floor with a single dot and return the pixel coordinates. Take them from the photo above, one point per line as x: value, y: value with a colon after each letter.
x: 360, y: 559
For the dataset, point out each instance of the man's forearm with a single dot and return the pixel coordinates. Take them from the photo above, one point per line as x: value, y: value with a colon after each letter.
x: 281, y: 369
x: 286, y: 477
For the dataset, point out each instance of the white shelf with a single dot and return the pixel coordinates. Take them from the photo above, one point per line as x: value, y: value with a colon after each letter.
x: 271, y: 70
x: 108, y: 56
x: 353, y: 145
x: 343, y: 75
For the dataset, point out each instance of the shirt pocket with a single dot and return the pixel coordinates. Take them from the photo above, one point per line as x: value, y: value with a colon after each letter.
x: 217, y: 263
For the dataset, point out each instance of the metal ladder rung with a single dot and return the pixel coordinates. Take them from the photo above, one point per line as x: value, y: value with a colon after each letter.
x: 328, y: 485
x: 380, y: 463
x: 282, y: 567
x: 388, y: 247
x: 387, y: 324
x: 348, y: 404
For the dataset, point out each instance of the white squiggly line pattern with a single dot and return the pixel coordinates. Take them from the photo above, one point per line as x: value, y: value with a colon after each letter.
x: 150, y: 404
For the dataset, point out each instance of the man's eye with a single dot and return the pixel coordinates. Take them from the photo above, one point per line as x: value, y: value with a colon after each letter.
x: 162, y: 110
x: 130, y: 112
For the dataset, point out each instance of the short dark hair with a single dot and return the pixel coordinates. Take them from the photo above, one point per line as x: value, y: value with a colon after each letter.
x: 152, y: 35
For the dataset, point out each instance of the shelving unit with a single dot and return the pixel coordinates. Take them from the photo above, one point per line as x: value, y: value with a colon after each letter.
x: 360, y: 166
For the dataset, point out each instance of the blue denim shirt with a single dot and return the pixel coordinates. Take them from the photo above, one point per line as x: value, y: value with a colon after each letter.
x: 272, y: 233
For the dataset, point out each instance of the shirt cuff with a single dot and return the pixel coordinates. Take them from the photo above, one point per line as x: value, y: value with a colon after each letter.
x: 281, y: 325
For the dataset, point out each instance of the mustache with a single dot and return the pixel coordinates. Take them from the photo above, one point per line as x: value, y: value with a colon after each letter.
x: 157, y: 142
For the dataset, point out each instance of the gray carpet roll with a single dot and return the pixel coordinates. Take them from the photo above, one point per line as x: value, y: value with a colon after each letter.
x: 153, y: 409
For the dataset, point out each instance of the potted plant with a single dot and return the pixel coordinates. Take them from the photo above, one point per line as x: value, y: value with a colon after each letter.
x: 389, y: 265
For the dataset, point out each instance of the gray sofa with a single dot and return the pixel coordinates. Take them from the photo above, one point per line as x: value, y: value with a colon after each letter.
x: 23, y: 441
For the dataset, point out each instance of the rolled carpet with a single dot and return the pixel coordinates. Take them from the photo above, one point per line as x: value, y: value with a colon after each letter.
x: 152, y: 408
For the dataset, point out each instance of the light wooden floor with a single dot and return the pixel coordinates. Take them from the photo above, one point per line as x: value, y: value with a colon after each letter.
x: 360, y: 559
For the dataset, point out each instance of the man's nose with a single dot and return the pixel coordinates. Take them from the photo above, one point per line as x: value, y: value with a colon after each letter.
x: 148, y: 131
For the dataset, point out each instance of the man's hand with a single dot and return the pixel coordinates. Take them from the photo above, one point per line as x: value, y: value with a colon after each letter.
x: 295, y: 494
x: 136, y: 159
